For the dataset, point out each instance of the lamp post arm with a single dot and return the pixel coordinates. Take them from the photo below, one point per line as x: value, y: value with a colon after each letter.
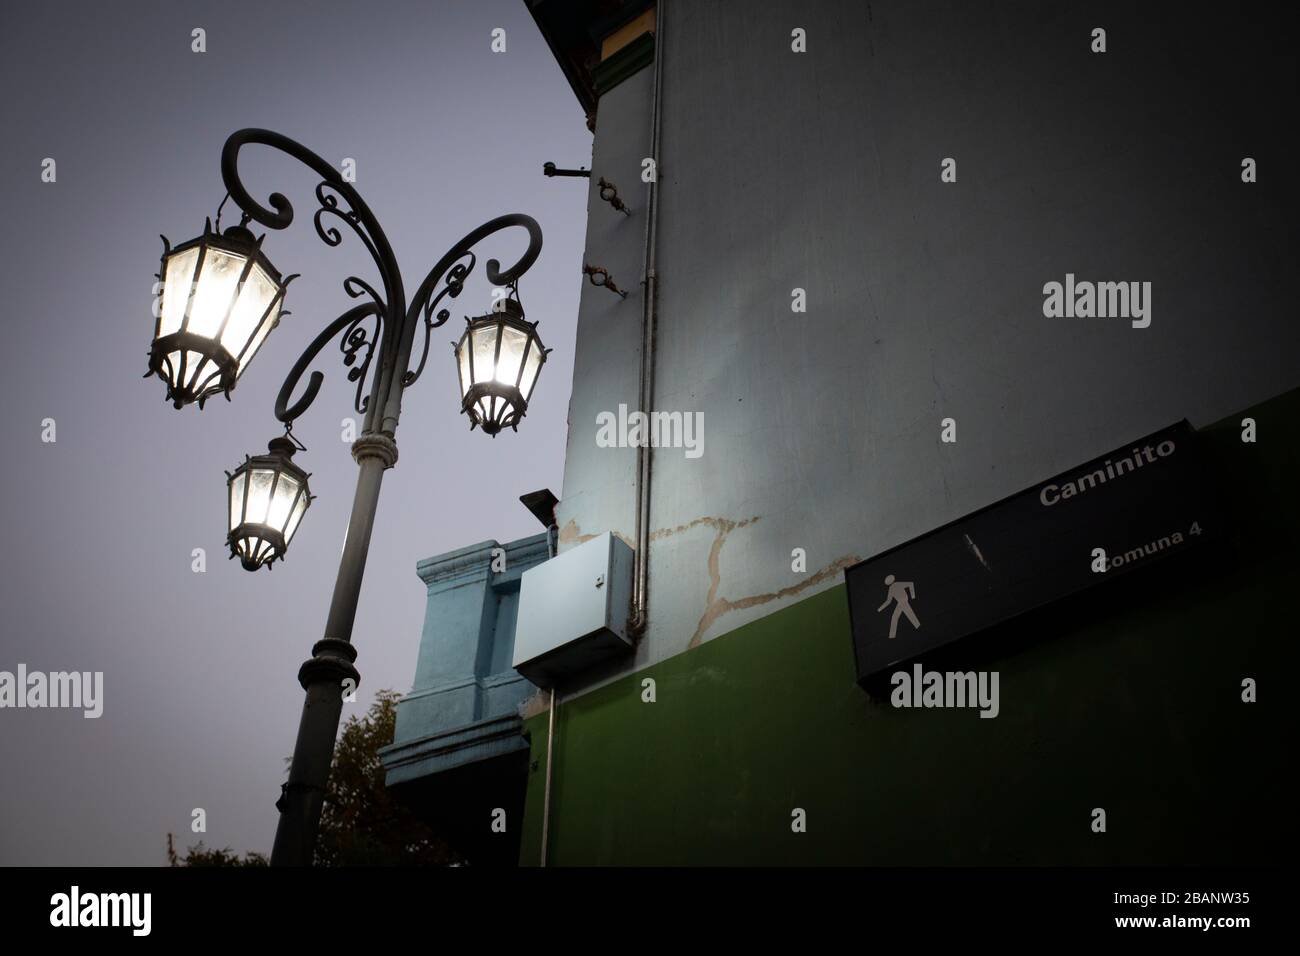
x: 424, y: 302
x: 494, y: 273
x: 355, y: 213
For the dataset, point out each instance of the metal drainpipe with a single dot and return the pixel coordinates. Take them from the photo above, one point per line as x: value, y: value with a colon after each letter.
x: 552, y: 536
x: 643, y: 453
x: 546, y: 793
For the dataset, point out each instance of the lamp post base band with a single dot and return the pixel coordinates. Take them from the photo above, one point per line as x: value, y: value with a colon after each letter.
x: 287, y: 788
x: 331, y: 661
x: 375, y: 445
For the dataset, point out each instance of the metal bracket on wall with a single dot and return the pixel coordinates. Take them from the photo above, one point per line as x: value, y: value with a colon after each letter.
x: 609, y: 193
x: 600, y: 277
x: 549, y: 169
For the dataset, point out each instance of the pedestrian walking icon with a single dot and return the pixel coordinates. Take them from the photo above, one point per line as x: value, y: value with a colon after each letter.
x: 901, y: 593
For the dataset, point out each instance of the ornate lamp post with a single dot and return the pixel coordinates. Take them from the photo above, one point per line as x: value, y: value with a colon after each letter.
x: 221, y: 297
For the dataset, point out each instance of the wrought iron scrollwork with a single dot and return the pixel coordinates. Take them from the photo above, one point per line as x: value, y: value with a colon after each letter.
x: 395, y: 323
x: 332, y: 188
x: 329, y: 206
x: 454, y: 285
x: 355, y: 337
x: 450, y: 265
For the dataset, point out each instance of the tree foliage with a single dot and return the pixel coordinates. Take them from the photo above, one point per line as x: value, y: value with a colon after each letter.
x: 200, y: 855
x: 362, y: 824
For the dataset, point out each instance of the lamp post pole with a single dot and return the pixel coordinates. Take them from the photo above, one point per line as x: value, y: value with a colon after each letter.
x: 330, y: 675
x: 324, y: 675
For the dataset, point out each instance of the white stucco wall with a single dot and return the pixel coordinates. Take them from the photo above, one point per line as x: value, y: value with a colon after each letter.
x: 821, y: 171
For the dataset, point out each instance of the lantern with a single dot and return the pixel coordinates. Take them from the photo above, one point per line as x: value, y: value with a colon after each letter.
x: 267, y: 497
x: 220, y: 298
x: 499, y: 358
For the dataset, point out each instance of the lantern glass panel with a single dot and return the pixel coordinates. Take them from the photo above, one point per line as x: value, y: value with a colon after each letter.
x: 261, y: 335
x: 286, y: 490
x: 177, y: 282
x: 255, y: 297
x: 485, y: 348
x: 532, y: 364
x: 513, y: 343
x: 462, y: 360
x: 294, y: 518
x: 237, y: 499
x: 218, y: 279
x: 259, y: 496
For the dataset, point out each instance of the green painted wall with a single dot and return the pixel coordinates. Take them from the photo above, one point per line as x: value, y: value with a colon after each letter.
x: 1126, y: 698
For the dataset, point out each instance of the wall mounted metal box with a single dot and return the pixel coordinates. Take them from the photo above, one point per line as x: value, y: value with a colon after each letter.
x: 573, y: 610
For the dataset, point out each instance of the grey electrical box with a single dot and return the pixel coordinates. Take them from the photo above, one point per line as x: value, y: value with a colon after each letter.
x: 573, y: 610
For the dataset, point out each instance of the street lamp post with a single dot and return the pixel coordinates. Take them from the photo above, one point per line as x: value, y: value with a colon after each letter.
x: 221, y: 297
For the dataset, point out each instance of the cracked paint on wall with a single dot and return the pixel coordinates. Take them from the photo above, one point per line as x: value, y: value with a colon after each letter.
x: 715, y: 606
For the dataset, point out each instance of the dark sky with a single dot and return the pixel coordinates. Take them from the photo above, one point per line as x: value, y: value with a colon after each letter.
x: 201, y: 697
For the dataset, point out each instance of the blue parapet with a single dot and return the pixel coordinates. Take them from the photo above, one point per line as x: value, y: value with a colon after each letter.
x: 458, y: 740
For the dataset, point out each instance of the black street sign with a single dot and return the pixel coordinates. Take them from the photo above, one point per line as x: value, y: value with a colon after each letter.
x: 1118, y: 513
